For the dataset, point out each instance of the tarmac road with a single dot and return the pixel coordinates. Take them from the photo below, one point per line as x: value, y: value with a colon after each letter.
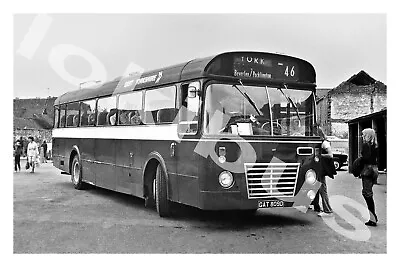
x: 50, y: 216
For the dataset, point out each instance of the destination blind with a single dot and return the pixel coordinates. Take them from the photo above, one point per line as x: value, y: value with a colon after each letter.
x: 262, y: 67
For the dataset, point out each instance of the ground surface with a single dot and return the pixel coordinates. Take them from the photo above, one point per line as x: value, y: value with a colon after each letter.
x: 52, y: 217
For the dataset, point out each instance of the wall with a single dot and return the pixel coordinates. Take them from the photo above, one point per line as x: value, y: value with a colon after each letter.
x: 379, y: 102
x: 38, y: 134
x: 322, y: 115
x: 349, y: 106
x: 349, y: 101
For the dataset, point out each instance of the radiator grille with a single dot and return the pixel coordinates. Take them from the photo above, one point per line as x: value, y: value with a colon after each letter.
x: 271, y: 179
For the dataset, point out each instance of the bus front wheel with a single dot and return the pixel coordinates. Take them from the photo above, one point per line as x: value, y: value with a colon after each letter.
x: 76, y: 174
x: 161, y: 194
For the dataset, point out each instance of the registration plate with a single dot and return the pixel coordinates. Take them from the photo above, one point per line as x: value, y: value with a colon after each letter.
x: 270, y: 204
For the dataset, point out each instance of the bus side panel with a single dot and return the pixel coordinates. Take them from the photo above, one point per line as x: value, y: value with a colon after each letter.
x: 68, y: 144
x: 128, y: 169
x: 105, y: 163
x: 163, y: 148
x: 171, y: 163
x: 86, y: 149
x: 187, y: 170
x: 59, y: 154
x: 56, y: 152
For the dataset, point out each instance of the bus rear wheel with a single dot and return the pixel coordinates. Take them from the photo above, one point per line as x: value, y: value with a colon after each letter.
x: 161, y: 193
x: 76, y: 174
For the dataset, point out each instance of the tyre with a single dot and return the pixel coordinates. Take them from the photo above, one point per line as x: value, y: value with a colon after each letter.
x: 161, y: 193
x: 337, y: 164
x: 76, y: 174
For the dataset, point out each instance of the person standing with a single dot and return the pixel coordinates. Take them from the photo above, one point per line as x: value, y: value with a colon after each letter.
x: 23, y: 145
x: 17, y: 155
x: 32, y: 153
x: 369, y: 174
x: 328, y: 169
x: 44, y: 146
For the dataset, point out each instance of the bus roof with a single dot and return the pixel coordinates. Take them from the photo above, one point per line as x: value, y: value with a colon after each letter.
x: 198, y: 68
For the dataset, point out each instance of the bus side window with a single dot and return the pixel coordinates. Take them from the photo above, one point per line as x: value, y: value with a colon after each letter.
x: 62, y: 116
x: 87, y: 112
x: 189, y: 112
x: 56, y: 117
x: 72, y: 111
x: 130, y: 109
x: 160, y: 106
x: 105, y: 106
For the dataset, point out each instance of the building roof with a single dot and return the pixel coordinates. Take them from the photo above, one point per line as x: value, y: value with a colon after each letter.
x: 361, y: 78
x: 382, y: 112
x: 359, y: 83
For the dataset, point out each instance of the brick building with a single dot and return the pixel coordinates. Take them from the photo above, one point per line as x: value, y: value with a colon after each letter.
x: 360, y: 95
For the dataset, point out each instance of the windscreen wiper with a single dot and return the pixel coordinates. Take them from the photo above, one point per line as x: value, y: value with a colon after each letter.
x: 291, y: 102
x: 248, y: 98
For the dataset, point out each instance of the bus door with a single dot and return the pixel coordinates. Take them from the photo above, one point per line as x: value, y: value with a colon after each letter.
x: 186, y: 158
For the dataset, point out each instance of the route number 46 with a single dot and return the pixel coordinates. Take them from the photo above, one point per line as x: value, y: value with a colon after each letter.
x: 290, y: 72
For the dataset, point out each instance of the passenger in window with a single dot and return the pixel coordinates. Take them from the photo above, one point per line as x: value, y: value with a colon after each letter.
x: 91, y: 119
x: 112, y: 117
x: 62, y: 121
x: 265, y: 110
x: 123, y: 117
x: 76, y: 120
x: 70, y: 120
x: 84, y: 119
x: 102, y: 118
x: 135, y: 117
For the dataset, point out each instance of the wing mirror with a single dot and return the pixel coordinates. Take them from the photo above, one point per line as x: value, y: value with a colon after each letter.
x: 194, y: 90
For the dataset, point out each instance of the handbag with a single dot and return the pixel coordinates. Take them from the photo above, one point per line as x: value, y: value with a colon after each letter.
x: 328, y: 167
x: 357, y: 167
x: 27, y: 166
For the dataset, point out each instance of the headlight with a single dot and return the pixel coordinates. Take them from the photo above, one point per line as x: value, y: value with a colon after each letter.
x: 311, y: 177
x: 316, y: 159
x: 225, y: 179
x: 222, y: 159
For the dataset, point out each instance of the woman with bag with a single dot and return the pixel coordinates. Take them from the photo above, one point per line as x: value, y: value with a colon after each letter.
x: 328, y: 169
x: 32, y: 153
x: 369, y: 173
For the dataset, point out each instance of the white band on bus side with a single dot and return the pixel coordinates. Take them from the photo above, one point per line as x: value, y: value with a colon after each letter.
x: 150, y: 132
x: 145, y: 132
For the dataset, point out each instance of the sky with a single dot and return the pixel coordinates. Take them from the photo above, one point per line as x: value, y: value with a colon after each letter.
x: 53, y: 53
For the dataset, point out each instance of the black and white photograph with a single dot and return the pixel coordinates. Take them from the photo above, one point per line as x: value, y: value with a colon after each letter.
x: 199, y: 132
